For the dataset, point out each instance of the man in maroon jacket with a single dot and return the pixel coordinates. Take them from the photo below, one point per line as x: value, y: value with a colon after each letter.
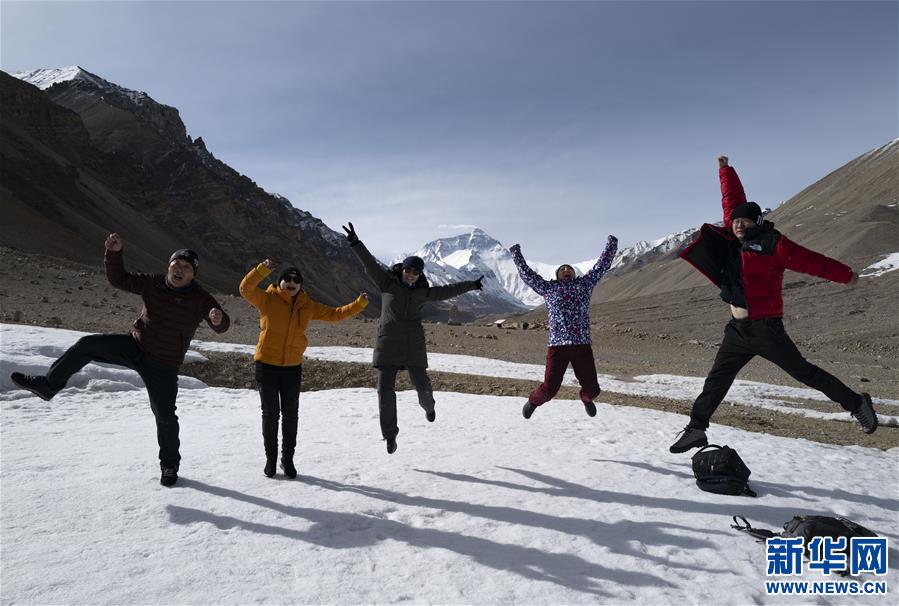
x: 746, y: 259
x: 174, y: 305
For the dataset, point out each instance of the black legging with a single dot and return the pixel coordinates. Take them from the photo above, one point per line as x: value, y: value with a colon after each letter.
x: 279, y: 391
x: 161, y: 382
x: 387, y: 395
x: 766, y: 337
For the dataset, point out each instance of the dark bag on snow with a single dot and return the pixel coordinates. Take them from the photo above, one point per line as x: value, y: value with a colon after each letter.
x: 809, y: 527
x: 720, y: 469
x: 824, y: 526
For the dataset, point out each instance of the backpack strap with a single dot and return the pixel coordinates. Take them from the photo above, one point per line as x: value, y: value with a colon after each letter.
x: 757, y: 533
x: 706, y: 448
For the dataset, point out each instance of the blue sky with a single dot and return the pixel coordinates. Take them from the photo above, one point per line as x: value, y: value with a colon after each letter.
x: 547, y: 124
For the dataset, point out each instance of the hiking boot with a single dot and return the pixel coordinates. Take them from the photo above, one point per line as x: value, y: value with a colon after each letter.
x: 590, y: 407
x: 36, y: 384
x: 269, y: 469
x: 691, y: 438
x: 391, y: 445
x: 528, y: 409
x: 431, y: 415
x: 169, y: 476
x: 865, y: 415
x: 287, y: 467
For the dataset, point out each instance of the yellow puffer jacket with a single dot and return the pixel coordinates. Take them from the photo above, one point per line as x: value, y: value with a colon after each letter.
x: 283, y: 320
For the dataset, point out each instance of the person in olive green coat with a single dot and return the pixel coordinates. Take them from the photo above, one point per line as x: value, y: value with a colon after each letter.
x: 401, y: 337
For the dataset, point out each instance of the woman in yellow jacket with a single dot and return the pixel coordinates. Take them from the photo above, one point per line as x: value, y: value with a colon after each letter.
x: 285, y: 310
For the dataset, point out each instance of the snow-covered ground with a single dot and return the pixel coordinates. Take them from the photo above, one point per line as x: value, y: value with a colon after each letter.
x: 887, y: 264
x: 481, y: 507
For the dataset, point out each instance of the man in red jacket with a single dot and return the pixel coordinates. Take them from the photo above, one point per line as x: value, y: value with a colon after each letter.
x: 746, y: 259
x: 174, y: 305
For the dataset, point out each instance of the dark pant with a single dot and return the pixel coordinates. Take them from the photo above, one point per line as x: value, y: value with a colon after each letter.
x: 160, y: 379
x: 387, y: 395
x: 279, y: 390
x: 745, y: 339
x: 557, y: 359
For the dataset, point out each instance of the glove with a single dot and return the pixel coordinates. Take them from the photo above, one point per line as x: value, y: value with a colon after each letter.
x: 479, y: 283
x: 515, y: 248
x: 351, y: 236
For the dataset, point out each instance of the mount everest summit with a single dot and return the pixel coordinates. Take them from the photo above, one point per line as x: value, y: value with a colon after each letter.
x: 467, y: 256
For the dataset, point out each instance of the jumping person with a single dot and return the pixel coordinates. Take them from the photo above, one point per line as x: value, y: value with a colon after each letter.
x: 401, y: 337
x: 746, y: 259
x: 174, y: 304
x: 568, y: 308
x: 285, y: 311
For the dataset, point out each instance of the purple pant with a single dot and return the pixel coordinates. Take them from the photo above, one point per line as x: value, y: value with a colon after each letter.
x: 557, y: 359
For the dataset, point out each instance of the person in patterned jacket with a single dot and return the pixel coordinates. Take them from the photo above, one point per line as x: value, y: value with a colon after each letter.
x: 746, y: 259
x: 568, y: 307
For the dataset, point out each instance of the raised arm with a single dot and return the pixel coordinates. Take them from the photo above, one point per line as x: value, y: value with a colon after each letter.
x: 439, y: 293
x: 249, y: 286
x: 732, y: 194
x: 801, y: 259
x: 114, y: 261
x: 378, y: 274
x: 336, y: 314
x: 602, y: 264
x: 528, y: 275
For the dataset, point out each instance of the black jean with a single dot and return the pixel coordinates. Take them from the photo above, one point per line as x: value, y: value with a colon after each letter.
x: 766, y: 337
x: 387, y: 395
x: 279, y: 391
x: 160, y: 379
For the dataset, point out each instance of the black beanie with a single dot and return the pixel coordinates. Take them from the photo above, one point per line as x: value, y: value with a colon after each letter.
x: 414, y: 262
x: 291, y: 271
x: 749, y: 210
x: 188, y: 255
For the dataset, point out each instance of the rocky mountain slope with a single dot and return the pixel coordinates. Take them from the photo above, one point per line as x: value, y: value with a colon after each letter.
x: 84, y: 157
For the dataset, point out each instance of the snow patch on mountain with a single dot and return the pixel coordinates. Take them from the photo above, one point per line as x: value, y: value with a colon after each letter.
x: 44, y: 78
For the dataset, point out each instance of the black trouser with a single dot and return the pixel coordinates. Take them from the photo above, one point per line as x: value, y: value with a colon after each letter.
x: 387, y: 395
x: 279, y: 390
x: 160, y: 379
x: 745, y: 339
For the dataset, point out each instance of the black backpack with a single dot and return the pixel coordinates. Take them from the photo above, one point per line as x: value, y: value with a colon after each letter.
x: 721, y: 471
x: 808, y: 527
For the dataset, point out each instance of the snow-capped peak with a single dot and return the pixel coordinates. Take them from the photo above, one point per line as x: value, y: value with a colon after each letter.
x: 44, y: 78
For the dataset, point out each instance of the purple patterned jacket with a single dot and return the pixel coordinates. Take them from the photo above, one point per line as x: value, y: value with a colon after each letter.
x: 567, y: 302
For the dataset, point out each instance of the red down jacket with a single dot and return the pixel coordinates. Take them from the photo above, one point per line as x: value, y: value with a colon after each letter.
x: 764, y: 256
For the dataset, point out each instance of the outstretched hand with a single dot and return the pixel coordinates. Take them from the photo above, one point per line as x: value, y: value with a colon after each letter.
x: 515, y: 248
x: 114, y: 242
x: 351, y: 236
x: 479, y: 283
x: 722, y: 161
x: 612, y: 240
x: 268, y: 263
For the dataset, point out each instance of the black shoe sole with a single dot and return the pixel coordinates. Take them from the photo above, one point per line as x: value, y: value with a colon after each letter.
x: 32, y: 390
x: 526, y: 411
x: 289, y: 475
x: 867, y: 398
x: 431, y: 416
x: 691, y: 446
x: 391, y: 447
x: 590, y: 408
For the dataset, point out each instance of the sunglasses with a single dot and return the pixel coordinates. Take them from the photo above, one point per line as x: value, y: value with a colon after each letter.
x: 292, y: 278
